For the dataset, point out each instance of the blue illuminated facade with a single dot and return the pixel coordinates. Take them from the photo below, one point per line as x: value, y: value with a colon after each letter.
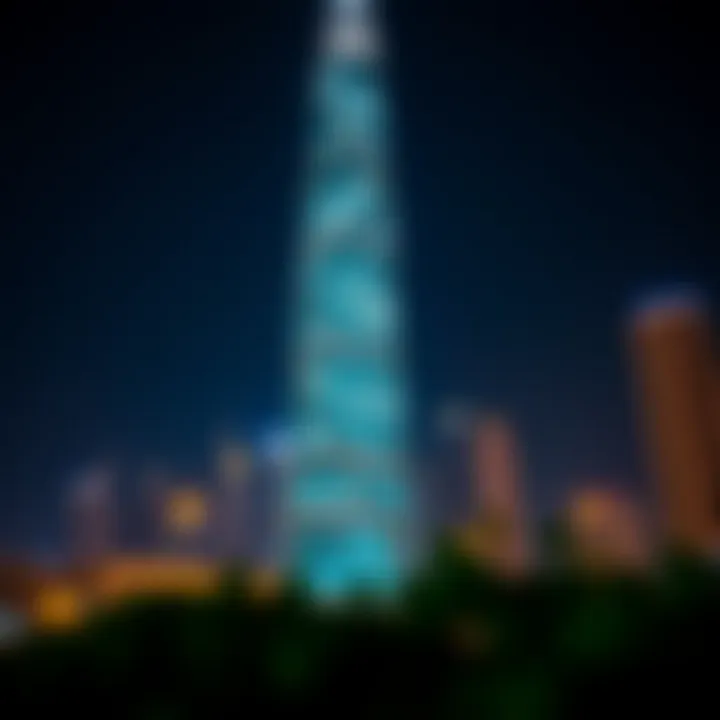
x: 349, y: 509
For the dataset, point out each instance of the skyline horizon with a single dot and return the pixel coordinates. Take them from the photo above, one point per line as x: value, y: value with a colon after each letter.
x: 548, y: 176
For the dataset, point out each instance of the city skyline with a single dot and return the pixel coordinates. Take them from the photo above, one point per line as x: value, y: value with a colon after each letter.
x: 136, y: 326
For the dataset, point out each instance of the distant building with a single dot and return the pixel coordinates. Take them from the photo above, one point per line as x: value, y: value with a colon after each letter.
x: 92, y: 516
x: 233, y: 473
x: 154, y: 484
x: 606, y: 530
x: 675, y: 375
x: 497, y: 470
x: 187, y: 516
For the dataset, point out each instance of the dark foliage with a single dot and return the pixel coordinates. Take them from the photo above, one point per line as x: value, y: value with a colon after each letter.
x: 461, y: 644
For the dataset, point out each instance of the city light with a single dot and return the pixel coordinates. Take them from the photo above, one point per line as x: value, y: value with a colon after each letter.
x: 341, y: 399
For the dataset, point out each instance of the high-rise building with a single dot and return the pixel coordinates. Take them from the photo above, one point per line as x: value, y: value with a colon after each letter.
x: 498, y: 476
x: 348, y: 503
x: 233, y: 471
x: 93, y: 516
x: 672, y: 353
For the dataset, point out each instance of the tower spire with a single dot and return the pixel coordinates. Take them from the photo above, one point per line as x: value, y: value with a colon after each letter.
x: 351, y: 30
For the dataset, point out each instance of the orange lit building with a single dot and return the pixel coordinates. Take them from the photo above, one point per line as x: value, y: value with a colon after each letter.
x: 131, y: 576
x: 63, y: 602
x: 607, y: 530
x: 186, y: 511
x: 59, y: 606
x: 186, y: 519
x: 675, y: 375
x: 48, y: 599
x: 501, y: 536
x: 125, y: 577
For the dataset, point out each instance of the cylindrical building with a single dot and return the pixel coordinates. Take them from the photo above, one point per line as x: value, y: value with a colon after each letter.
x: 674, y: 371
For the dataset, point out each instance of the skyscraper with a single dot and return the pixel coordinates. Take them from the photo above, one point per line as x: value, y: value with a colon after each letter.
x: 671, y: 340
x: 348, y: 502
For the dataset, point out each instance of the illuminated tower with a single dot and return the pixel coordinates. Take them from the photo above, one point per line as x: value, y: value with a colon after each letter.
x: 671, y: 339
x: 348, y: 504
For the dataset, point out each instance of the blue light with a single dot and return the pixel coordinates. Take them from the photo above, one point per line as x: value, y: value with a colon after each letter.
x: 348, y: 501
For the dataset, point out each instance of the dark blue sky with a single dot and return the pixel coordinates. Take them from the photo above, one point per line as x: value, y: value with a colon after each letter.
x: 556, y: 158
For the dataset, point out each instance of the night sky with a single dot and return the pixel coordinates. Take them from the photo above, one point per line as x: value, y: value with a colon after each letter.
x: 556, y: 158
